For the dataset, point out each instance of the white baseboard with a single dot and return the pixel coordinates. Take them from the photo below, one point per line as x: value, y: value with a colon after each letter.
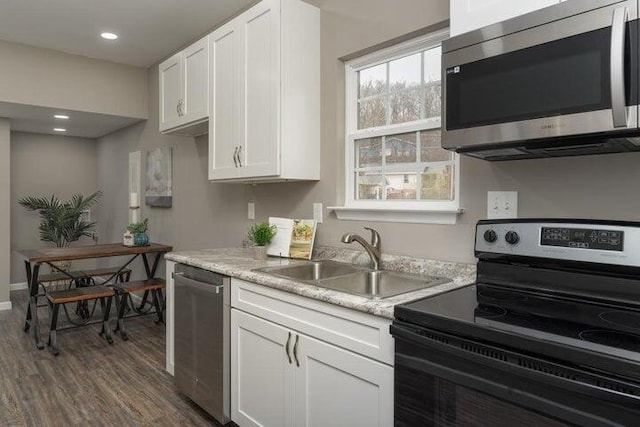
x: 5, y: 305
x: 18, y: 286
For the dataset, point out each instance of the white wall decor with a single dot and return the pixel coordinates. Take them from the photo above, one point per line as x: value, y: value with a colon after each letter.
x: 158, y: 186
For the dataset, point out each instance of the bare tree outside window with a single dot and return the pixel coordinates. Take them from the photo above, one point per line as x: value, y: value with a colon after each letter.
x: 401, y: 92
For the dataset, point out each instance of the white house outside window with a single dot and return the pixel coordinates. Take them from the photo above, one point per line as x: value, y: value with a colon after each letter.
x: 394, y: 161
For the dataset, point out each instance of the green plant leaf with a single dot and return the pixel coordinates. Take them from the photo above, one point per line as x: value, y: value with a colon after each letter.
x: 61, y: 222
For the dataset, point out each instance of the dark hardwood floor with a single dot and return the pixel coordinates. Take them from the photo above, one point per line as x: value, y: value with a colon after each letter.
x: 90, y: 383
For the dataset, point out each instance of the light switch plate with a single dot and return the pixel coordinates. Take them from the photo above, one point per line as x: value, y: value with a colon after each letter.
x: 502, y: 204
x: 317, y: 212
x: 251, y: 210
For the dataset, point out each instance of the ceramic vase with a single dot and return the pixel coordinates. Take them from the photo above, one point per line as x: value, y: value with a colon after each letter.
x: 141, y: 239
x: 260, y: 253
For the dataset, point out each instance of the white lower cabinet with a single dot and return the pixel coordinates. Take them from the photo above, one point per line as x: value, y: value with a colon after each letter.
x: 335, y: 387
x: 283, y: 377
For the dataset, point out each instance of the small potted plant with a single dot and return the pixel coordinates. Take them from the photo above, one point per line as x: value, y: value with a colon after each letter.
x: 261, y: 235
x: 139, y: 231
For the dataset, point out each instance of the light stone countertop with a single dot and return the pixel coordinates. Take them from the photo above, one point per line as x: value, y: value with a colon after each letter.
x: 239, y: 263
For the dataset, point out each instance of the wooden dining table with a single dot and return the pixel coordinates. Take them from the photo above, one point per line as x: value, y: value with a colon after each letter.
x: 34, y: 258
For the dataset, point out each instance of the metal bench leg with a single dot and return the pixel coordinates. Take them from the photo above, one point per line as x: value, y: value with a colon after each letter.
x: 121, y: 310
x: 53, y: 339
x: 106, y: 327
x: 156, y: 301
x: 144, y: 300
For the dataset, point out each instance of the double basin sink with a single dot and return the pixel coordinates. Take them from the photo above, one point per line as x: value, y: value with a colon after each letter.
x: 354, y: 279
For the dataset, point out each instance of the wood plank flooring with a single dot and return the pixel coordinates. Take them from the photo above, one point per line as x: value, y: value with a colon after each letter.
x: 90, y: 383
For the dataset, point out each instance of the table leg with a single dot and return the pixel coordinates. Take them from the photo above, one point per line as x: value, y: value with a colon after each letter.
x: 151, y: 272
x: 31, y: 321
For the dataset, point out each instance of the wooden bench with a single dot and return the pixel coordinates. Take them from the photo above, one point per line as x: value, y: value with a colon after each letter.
x: 57, y: 298
x: 125, y: 289
x: 85, y: 275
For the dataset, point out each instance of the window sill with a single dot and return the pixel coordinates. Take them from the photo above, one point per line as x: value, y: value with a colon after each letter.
x: 415, y: 216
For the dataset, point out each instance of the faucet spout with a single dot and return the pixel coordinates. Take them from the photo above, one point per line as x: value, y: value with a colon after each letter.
x: 373, y: 248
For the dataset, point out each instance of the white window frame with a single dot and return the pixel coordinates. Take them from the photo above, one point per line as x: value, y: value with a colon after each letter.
x: 416, y: 211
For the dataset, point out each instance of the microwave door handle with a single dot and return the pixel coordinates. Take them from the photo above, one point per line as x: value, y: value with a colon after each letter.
x: 618, y: 102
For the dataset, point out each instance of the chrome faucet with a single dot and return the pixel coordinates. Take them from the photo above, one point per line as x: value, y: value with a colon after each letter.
x: 373, y: 248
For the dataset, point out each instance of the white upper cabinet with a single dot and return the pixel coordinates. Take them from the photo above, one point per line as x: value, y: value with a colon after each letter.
x: 184, y: 90
x: 467, y: 15
x: 265, y: 98
x: 170, y: 92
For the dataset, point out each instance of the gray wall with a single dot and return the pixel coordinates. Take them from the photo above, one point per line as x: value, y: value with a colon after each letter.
x: 203, y: 214
x: 214, y: 215
x: 5, y: 208
x: 48, y: 78
x: 43, y: 165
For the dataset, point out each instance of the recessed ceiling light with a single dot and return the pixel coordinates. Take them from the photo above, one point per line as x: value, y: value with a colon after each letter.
x: 61, y: 117
x: 59, y: 129
x: 109, y: 36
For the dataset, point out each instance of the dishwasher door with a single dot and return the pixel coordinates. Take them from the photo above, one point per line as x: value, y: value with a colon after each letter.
x: 202, y: 339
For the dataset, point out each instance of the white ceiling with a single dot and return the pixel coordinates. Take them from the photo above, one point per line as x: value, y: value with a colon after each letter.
x: 30, y: 118
x: 149, y: 30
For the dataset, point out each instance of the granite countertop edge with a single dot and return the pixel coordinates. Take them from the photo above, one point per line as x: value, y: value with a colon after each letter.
x: 239, y: 263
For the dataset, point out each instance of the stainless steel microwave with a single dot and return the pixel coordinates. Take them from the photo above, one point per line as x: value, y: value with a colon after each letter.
x: 559, y: 81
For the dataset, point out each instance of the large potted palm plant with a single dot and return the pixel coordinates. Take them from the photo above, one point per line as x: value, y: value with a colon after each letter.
x: 62, y: 222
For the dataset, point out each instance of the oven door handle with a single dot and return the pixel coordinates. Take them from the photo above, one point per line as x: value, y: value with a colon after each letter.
x: 471, y: 380
x: 618, y: 101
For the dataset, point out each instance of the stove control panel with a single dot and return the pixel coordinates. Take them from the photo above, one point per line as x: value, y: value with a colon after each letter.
x: 600, y: 241
x: 582, y: 238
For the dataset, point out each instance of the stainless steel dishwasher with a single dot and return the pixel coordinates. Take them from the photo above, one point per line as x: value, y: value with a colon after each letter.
x: 202, y: 339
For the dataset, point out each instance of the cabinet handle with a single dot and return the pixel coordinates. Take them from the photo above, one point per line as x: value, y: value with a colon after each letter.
x: 295, y: 351
x: 178, y: 108
x: 235, y: 160
x: 239, y: 158
x: 286, y: 348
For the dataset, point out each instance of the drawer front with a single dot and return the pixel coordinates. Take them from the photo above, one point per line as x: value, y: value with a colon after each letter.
x: 361, y: 333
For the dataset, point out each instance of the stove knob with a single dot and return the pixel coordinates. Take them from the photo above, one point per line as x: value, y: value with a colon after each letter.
x: 512, y: 237
x: 490, y: 236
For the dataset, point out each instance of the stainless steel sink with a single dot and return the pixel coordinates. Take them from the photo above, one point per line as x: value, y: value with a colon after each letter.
x: 354, y: 279
x: 313, y: 271
x: 381, y: 284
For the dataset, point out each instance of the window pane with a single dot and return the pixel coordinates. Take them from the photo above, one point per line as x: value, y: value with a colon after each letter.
x: 405, y: 72
x: 437, y: 183
x: 400, y: 148
x: 405, y: 105
x: 369, y: 152
x: 430, y: 149
x: 370, y: 185
x: 432, y: 71
x: 402, y: 186
x: 371, y: 113
x: 372, y: 81
x: 432, y: 100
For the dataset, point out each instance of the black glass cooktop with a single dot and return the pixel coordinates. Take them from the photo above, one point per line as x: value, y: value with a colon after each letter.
x: 608, y: 330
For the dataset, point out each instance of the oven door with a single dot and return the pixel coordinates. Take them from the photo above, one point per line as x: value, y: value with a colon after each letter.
x: 573, y: 76
x: 444, y: 380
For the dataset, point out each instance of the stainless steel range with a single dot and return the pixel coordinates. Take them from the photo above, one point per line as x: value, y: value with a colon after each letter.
x: 548, y: 335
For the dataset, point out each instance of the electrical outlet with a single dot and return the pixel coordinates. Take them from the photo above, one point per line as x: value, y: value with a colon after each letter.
x: 251, y: 210
x: 317, y: 212
x: 502, y: 204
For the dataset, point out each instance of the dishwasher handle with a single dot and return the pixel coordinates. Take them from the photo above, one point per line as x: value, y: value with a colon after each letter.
x: 206, y: 287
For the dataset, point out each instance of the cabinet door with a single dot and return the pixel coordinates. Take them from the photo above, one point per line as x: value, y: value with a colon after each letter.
x: 224, y: 102
x: 335, y: 387
x: 262, y: 379
x: 170, y: 78
x: 260, y: 90
x: 195, y: 61
x: 467, y: 15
